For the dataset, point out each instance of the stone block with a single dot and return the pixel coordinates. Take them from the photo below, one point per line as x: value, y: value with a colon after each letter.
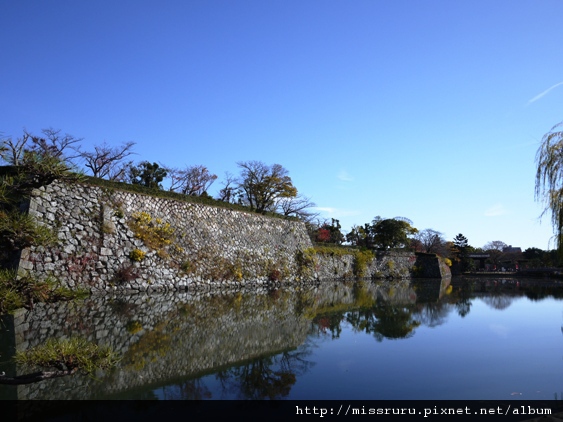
x: 106, y: 252
x: 26, y: 265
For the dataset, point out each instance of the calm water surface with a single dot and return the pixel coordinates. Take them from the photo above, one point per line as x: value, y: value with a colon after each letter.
x: 468, y: 339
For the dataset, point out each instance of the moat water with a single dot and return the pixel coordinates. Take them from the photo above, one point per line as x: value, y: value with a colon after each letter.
x: 474, y: 338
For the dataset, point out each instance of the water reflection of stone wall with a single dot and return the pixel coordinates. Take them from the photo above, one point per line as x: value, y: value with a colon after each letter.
x: 162, y: 337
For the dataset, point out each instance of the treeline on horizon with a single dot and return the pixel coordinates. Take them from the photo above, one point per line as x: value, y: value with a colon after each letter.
x: 260, y: 187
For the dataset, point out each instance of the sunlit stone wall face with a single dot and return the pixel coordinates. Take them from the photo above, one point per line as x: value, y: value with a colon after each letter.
x: 176, y: 244
x: 117, y: 240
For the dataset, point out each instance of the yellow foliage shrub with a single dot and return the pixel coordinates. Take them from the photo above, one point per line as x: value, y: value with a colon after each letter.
x: 137, y: 255
x: 156, y: 234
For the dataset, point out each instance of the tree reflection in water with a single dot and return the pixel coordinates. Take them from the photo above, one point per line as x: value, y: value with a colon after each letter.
x: 384, y: 320
x: 270, y: 377
x: 498, y: 302
x: 330, y: 323
x: 433, y: 314
x: 266, y: 378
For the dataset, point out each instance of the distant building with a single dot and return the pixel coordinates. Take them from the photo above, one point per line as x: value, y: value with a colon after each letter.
x: 512, y: 258
x: 510, y: 249
x: 479, y: 260
x: 509, y: 260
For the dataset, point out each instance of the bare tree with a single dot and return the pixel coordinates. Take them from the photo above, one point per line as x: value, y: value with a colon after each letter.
x: 229, y: 191
x: 53, y: 144
x: 106, y: 161
x: 176, y: 177
x: 12, y: 151
x: 298, y: 206
x: 194, y: 180
x: 495, y: 249
x: 431, y: 241
x: 37, y: 162
x: 496, y: 245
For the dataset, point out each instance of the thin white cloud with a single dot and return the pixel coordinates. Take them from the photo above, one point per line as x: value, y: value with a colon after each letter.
x: 345, y: 176
x: 495, y: 210
x: 336, y: 212
x: 537, y: 97
x: 328, y: 210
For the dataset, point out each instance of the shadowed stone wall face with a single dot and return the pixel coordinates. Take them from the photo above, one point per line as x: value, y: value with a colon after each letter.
x: 430, y: 266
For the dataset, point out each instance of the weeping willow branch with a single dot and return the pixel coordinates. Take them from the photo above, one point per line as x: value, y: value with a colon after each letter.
x: 549, y: 180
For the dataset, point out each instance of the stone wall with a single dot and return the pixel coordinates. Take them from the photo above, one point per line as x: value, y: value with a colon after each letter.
x: 428, y: 265
x: 394, y: 265
x: 176, y: 243
x: 117, y: 240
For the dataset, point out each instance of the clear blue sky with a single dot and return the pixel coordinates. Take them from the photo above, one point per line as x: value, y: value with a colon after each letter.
x: 431, y: 110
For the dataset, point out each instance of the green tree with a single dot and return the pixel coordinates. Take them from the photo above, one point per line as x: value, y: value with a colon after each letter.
x: 329, y: 233
x: 460, y: 244
x: 533, y: 253
x: 537, y: 257
x: 549, y: 180
x: 391, y: 232
x: 384, y: 320
x: 33, y: 171
x: 262, y: 186
x: 147, y: 174
x: 66, y: 357
x: 360, y: 236
x: 461, y: 250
